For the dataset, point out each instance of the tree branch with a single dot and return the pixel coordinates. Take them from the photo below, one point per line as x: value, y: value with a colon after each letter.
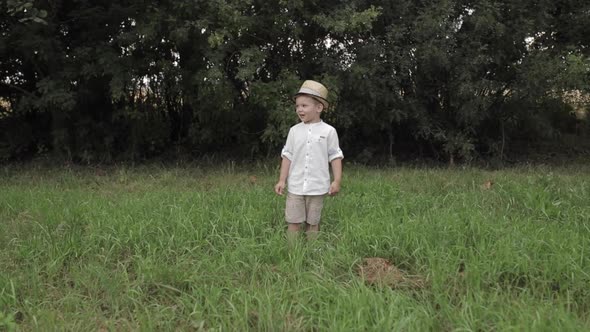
x: 18, y: 88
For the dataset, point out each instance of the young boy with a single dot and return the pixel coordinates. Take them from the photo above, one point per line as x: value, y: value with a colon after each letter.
x: 311, y: 146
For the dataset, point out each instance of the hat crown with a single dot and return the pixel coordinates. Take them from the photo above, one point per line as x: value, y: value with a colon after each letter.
x: 314, y: 88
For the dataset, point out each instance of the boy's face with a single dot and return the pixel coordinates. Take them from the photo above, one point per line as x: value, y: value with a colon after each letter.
x: 308, y: 109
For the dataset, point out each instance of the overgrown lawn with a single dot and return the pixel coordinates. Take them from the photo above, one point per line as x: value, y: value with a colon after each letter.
x: 202, y: 249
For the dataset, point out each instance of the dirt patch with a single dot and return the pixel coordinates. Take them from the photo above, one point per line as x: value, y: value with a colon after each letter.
x: 252, y: 179
x: 379, y: 271
x: 487, y: 185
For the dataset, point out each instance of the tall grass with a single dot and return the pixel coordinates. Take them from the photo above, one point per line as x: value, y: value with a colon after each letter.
x: 152, y: 248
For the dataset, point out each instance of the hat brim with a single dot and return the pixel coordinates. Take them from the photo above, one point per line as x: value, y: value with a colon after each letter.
x: 320, y: 99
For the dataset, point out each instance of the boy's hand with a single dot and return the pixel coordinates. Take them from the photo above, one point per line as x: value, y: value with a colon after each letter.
x: 334, y: 188
x: 279, y: 188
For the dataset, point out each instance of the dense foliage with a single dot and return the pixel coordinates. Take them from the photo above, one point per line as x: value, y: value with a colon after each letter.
x: 108, y: 80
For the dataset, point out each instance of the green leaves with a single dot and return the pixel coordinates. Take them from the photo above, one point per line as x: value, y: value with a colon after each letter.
x: 348, y: 19
x: 250, y: 61
x: 216, y: 39
x: 26, y: 12
x: 453, y: 78
x: 7, y: 322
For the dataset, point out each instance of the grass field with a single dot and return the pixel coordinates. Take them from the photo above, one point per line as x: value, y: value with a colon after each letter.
x: 203, y: 249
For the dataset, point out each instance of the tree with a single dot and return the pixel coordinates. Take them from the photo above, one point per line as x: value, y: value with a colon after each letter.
x: 448, y: 79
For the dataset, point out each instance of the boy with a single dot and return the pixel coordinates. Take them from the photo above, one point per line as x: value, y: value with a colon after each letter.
x: 311, y: 146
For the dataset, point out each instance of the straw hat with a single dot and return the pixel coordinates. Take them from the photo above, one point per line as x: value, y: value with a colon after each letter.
x: 315, y: 90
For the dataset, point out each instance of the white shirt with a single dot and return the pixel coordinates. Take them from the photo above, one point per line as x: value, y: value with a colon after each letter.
x: 311, y: 148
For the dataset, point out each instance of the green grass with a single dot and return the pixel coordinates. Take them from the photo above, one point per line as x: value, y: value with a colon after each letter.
x: 154, y: 249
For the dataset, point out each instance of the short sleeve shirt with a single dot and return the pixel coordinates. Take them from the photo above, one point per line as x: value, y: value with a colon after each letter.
x: 311, y: 148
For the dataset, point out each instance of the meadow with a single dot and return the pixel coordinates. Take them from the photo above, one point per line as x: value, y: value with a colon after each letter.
x: 196, y: 248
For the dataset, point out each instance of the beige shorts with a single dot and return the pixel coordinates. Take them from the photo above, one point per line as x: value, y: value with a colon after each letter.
x: 302, y: 209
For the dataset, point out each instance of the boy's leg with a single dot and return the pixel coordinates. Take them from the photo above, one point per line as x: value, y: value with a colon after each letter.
x: 314, y: 205
x: 295, y: 216
x: 312, y: 232
x: 292, y: 233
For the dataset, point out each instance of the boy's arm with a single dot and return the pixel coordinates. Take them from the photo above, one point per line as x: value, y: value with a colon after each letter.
x: 337, y: 172
x: 280, y: 186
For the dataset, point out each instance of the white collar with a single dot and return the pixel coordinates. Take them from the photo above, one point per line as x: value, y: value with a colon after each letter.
x: 314, y: 123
